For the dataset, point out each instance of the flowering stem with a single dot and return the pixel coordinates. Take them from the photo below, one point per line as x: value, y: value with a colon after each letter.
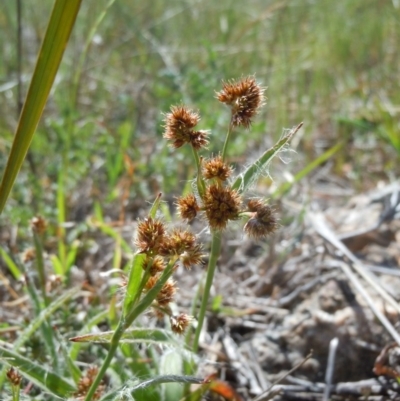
x: 228, y: 136
x: 215, y: 252
x: 111, y: 352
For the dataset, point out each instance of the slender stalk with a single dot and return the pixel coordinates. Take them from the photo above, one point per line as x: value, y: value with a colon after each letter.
x: 215, y: 252
x: 228, y: 136
x: 111, y: 352
x: 40, y: 266
x: 201, y: 187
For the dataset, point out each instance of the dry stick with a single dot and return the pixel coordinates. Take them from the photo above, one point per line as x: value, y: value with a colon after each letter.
x: 323, y: 230
x: 265, y: 396
x: 333, y: 345
x: 319, y: 224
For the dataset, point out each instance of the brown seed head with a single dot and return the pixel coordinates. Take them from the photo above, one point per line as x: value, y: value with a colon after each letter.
x: 151, y: 282
x: 14, y: 377
x: 188, y: 207
x: 177, y: 242
x: 180, y: 323
x: 38, y: 225
x: 263, y: 221
x: 192, y: 257
x: 216, y: 168
x: 29, y: 255
x: 244, y: 97
x: 86, y: 381
x: 157, y: 265
x: 179, y: 124
x: 166, y: 294
x: 150, y: 235
x: 221, y: 205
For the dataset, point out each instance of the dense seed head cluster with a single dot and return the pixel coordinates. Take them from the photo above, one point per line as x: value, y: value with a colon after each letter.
x: 188, y: 207
x: 192, y: 257
x: 38, y: 225
x: 244, y: 97
x: 179, y: 124
x: 14, y: 377
x: 216, y: 168
x: 150, y: 235
x: 262, y: 222
x: 154, y: 265
x: 167, y: 292
x: 221, y: 204
x: 180, y: 323
x: 86, y: 381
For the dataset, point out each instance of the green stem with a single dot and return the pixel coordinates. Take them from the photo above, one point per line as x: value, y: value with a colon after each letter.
x: 40, y: 266
x: 111, y: 352
x: 228, y: 136
x: 215, y: 252
x: 201, y: 186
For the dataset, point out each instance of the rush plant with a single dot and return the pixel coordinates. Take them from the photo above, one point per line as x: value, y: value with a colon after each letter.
x: 217, y: 199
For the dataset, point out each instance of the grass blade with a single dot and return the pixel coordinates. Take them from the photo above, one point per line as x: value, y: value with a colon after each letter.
x: 38, y: 321
x: 58, y: 31
x: 136, y: 335
x: 36, y: 373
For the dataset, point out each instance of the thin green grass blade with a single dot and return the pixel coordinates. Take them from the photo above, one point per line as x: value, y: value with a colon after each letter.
x: 58, y: 31
x: 74, y: 350
x: 285, y: 188
x: 244, y: 181
x: 136, y: 335
x: 38, y: 321
x: 46, y: 380
x: 12, y: 266
x: 127, y: 388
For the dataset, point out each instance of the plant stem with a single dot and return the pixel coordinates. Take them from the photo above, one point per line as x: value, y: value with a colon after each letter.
x: 40, y: 266
x: 201, y: 187
x: 111, y: 352
x: 215, y: 252
x: 228, y: 136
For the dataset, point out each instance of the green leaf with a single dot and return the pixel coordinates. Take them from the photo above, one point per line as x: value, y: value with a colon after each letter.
x: 171, y: 363
x: 38, y: 321
x: 136, y: 335
x: 58, y: 31
x: 46, y: 380
x: 123, y: 393
x: 134, y: 280
x: 244, y: 181
x: 12, y: 266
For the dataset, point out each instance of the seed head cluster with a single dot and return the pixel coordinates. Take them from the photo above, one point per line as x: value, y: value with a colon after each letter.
x: 221, y: 204
x: 215, y: 200
x: 162, y: 248
x: 188, y: 207
x: 180, y: 323
x: 244, y: 97
x: 14, y: 377
x: 179, y: 128
x: 216, y: 168
x: 86, y: 381
x: 262, y: 221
